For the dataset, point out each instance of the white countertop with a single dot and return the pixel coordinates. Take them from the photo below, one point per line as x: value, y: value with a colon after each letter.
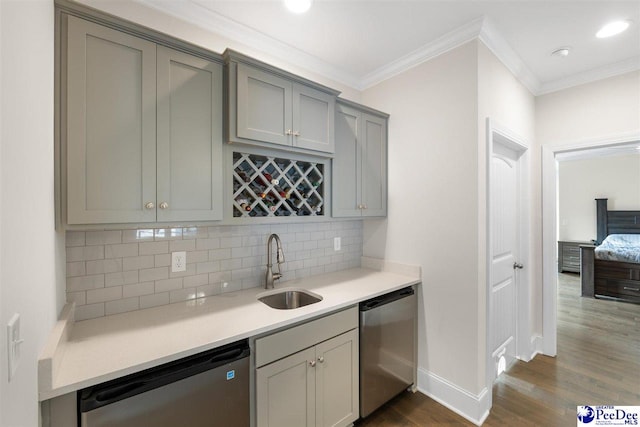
x: 92, y: 351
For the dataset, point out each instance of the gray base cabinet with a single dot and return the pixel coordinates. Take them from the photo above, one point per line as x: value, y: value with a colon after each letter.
x: 267, y: 105
x: 313, y: 387
x: 143, y: 130
x: 360, y: 162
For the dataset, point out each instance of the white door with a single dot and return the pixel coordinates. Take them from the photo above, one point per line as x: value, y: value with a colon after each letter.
x: 504, y: 226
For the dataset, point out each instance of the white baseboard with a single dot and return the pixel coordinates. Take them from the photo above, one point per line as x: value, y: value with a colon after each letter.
x: 537, y: 345
x: 474, y: 408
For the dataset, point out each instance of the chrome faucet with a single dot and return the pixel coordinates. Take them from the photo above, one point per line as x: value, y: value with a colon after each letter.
x: 271, y: 276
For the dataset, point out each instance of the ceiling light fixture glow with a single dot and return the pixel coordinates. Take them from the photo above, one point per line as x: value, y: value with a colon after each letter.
x: 298, y: 6
x: 612, y: 28
x: 562, y: 52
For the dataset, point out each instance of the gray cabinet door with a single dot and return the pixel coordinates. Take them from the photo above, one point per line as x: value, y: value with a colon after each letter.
x: 263, y: 106
x: 286, y: 392
x: 374, y: 165
x: 337, y: 381
x: 111, y: 125
x: 346, y: 165
x: 189, y: 137
x: 360, y: 164
x: 313, y: 119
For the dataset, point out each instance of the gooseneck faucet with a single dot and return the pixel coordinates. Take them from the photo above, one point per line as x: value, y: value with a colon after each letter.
x: 271, y: 276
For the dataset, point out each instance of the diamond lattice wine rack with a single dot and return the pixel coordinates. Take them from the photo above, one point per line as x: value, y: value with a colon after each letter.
x: 265, y: 186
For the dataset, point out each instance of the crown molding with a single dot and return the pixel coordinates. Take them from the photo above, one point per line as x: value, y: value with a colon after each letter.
x: 195, y: 13
x: 443, y: 44
x: 611, y: 70
x: 490, y: 36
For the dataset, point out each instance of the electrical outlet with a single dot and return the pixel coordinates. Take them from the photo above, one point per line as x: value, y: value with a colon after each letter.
x: 337, y: 243
x: 13, y: 344
x: 178, y: 261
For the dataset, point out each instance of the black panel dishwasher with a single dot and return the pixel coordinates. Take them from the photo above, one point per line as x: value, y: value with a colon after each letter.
x: 387, y: 347
x: 208, y: 389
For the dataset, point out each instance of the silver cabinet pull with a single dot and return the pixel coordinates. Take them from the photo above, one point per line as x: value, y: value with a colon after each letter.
x: 321, y: 359
x: 517, y: 265
x: 288, y: 132
x: 364, y: 207
x: 149, y: 205
x: 296, y: 133
x: 312, y: 363
x: 627, y: 288
x: 164, y: 205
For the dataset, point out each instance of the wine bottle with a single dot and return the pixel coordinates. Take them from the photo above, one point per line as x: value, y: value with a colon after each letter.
x: 244, y: 204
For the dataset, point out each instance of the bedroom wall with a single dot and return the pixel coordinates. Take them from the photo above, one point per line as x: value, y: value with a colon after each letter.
x: 433, y: 210
x: 581, y: 181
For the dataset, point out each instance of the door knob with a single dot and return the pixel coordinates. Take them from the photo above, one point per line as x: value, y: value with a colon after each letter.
x: 149, y: 205
x: 164, y: 205
x: 312, y: 363
x: 321, y: 359
x: 517, y: 265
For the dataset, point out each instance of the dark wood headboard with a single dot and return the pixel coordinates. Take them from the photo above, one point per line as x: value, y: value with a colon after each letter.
x: 615, y: 222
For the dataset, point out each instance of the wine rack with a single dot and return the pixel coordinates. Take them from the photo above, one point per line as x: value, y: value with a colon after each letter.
x: 265, y: 186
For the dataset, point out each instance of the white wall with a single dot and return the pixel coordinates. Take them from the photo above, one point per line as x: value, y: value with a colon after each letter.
x: 509, y: 104
x: 598, y: 110
x: 433, y: 204
x: 30, y: 282
x: 581, y: 181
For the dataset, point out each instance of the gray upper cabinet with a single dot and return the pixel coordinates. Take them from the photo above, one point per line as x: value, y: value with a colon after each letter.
x: 189, y: 137
x: 111, y: 125
x: 360, y: 163
x: 270, y: 107
x: 143, y: 130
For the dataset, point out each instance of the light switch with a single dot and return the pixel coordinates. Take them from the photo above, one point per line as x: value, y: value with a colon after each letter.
x: 13, y: 344
x: 337, y: 243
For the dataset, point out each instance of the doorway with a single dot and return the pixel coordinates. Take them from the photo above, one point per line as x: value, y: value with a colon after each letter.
x: 507, y: 250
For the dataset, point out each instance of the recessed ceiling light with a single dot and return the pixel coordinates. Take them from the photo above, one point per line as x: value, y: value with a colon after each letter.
x: 612, y: 28
x: 562, y: 52
x: 298, y: 6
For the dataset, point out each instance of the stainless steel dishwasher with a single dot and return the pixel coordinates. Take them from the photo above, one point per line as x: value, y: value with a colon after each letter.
x: 208, y: 389
x: 387, y: 347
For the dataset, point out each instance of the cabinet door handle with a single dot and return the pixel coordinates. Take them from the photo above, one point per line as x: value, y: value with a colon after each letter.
x: 312, y: 363
x: 364, y: 207
x: 296, y: 133
x: 288, y: 132
x: 517, y: 265
x: 149, y: 205
x: 627, y: 288
x: 321, y: 359
x: 164, y: 205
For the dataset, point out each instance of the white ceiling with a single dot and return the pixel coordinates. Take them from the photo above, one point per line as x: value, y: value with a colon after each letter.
x: 361, y: 42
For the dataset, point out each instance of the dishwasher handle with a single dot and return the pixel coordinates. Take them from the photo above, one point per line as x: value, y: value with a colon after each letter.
x: 113, y: 391
x: 386, y: 299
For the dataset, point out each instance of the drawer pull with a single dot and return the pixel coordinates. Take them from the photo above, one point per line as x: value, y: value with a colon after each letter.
x: 627, y: 288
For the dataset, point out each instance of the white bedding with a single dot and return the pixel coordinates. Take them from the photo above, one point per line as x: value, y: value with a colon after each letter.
x: 620, y: 247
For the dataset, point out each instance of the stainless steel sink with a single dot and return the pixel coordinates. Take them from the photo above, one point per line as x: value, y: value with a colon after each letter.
x: 287, y: 299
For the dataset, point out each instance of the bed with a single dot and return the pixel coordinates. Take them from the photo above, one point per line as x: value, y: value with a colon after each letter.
x: 611, y: 267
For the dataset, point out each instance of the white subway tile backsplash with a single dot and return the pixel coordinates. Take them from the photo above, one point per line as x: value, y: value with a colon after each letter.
x: 115, y: 271
x: 121, y: 278
x: 137, y: 289
x: 138, y: 262
x: 168, y: 285
x: 153, y: 248
x: 85, y: 283
x: 104, y: 294
x: 104, y: 266
x: 150, y: 274
x: 120, y: 250
x: 103, y: 237
x: 122, y: 306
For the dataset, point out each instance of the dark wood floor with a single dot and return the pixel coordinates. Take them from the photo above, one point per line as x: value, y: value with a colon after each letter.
x: 598, y: 363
